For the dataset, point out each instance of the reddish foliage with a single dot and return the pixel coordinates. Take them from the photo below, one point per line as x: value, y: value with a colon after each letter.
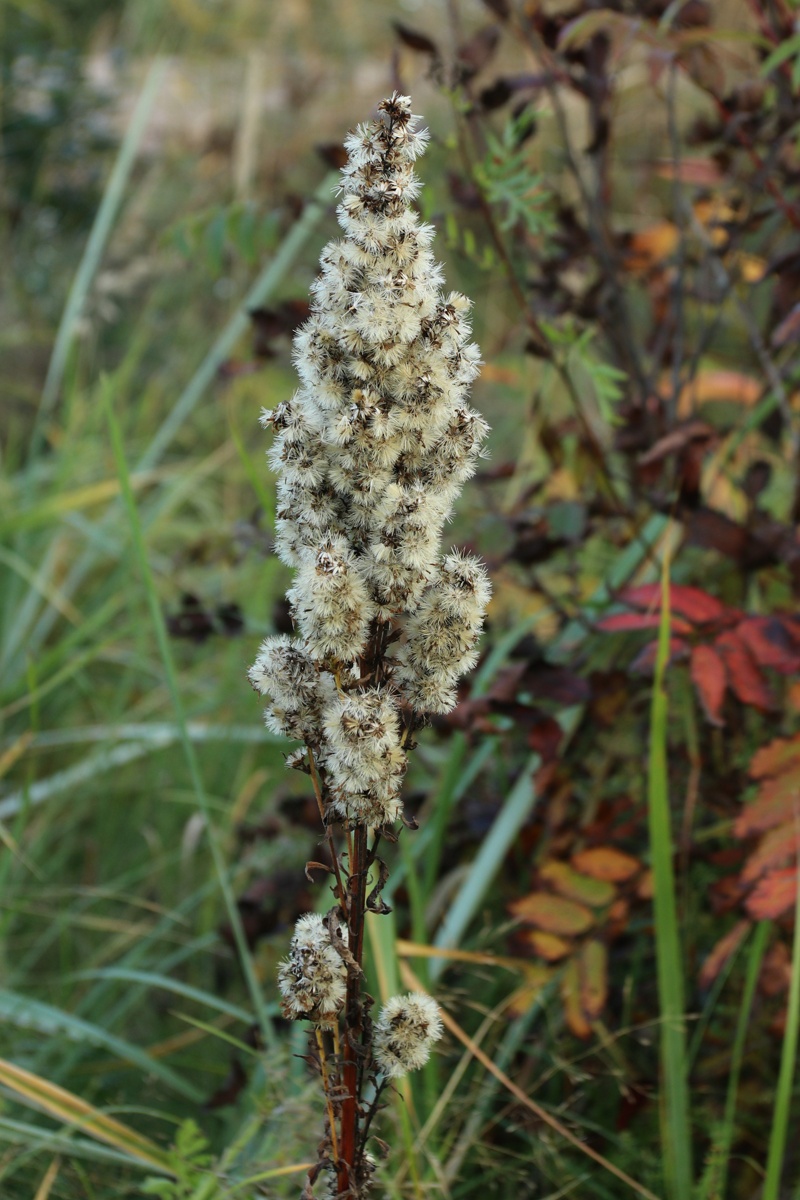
x: 773, y: 894
x: 710, y: 680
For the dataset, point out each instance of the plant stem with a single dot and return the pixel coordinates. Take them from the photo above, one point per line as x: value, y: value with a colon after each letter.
x: 357, y: 889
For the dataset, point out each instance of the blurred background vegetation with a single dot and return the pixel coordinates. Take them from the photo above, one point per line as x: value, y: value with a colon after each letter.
x: 617, y: 188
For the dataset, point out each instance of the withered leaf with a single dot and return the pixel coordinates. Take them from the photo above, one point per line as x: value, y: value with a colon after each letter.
x: 606, y: 863
x: 570, y: 883
x: 553, y: 914
x: 571, y: 999
x: 229, y: 1090
x: 415, y: 40
x: 476, y: 52
x: 593, y: 975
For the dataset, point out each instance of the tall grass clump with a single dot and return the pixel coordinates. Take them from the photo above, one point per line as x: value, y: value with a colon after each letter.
x: 371, y: 453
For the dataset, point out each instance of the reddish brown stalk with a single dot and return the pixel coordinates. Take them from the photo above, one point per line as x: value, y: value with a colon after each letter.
x: 357, y: 887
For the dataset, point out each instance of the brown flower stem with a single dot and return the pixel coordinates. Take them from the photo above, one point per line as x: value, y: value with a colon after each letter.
x: 315, y: 780
x: 353, y: 1011
x: 323, y: 1063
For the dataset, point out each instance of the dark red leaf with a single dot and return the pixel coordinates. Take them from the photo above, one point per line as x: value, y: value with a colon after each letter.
x: 772, y: 643
x: 788, y: 330
x: 710, y: 679
x: 744, y: 677
x: 558, y: 684
x: 676, y: 440
x: 332, y: 153
x: 645, y: 660
x: 690, y: 602
x: 229, y: 1089
x: 623, y: 622
x: 477, y: 51
x: 545, y: 738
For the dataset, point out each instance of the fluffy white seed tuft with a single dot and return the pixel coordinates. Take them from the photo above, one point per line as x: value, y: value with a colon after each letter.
x: 313, y: 979
x: 404, y: 1033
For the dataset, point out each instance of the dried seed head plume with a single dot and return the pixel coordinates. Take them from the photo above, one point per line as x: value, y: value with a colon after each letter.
x: 404, y: 1033
x: 313, y: 979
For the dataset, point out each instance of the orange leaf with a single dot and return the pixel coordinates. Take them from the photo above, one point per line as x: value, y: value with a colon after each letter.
x: 775, y: 757
x: 571, y: 999
x: 645, y: 888
x: 776, y: 848
x: 553, y: 914
x: 593, y: 974
x: 776, y: 803
x: 710, y: 679
x: 606, y: 862
x: 744, y: 676
x: 719, y: 385
x: 583, y: 888
x: 773, y: 895
x: 548, y: 946
x: 651, y: 246
x: 722, y: 952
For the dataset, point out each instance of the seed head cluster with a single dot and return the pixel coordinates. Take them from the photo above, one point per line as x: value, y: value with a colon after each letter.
x: 371, y: 452
x: 313, y: 979
x: 406, y: 1028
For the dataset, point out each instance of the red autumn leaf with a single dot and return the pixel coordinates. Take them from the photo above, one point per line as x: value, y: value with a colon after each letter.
x: 645, y: 660
x: 623, y: 622
x: 773, y: 895
x: 690, y: 602
x: 772, y: 643
x: 606, y: 863
x: 745, y: 679
x: 709, y: 678
x: 722, y: 952
x: 775, y: 758
x: 776, y: 848
x: 553, y: 914
x: 776, y: 803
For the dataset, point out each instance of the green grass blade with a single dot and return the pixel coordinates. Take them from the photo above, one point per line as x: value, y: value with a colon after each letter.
x: 27, y: 1013
x: 103, y: 223
x: 159, y: 626
x: 151, y: 979
x: 783, y: 1096
x: 488, y: 862
x: 676, y: 1140
x: 713, y: 1186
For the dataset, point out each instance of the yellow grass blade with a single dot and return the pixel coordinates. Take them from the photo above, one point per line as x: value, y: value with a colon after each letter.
x: 67, y: 1107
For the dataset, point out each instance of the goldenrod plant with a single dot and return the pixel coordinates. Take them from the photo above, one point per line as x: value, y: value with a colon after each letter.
x: 371, y: 453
